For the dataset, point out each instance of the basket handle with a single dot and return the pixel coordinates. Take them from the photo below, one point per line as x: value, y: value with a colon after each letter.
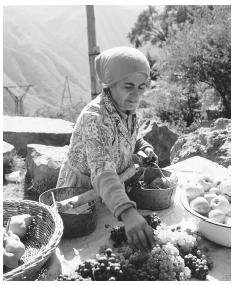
x: 161, y: 171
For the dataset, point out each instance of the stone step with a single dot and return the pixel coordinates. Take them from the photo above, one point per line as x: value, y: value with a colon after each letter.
x: 43, y: 165
x: 21, y: 131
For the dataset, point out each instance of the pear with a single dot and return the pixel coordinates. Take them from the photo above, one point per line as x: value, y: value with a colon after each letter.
x: 9, y: 259
x: 15, y: 247
x: 19, y: 224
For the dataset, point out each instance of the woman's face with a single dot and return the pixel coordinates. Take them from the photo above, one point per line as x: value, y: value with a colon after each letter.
x: 127, y: 92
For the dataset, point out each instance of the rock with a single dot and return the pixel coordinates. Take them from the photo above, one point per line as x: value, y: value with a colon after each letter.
x: 21, y: 131
x: 8, y: 151
x: 43, y: 165
x: 213, y: 143
x: 160, y: 137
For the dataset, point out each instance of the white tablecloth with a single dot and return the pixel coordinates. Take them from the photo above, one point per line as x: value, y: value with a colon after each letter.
x: 71, y: 251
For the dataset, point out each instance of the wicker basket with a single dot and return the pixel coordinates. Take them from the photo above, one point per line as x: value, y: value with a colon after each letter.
x: 154, y: 199
x: 45, y: 237
x: 78, y: 223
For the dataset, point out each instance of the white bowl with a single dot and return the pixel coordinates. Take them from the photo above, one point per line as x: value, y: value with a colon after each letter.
x: 216, y: 232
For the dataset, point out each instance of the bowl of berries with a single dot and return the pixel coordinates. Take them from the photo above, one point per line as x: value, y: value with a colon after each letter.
x: 208, y: 203
x: 155, y: 190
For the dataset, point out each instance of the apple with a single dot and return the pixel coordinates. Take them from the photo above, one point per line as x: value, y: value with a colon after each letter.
x: 206, y: 182
x: 200, y: 205
x: 217, y: 216
x: 225, y: 189
x: 221, y: 203
x: 227, y: 220
x: 210, y: 196
x: 229, y: 212
x: 194, y: 191
x: 214, y: 190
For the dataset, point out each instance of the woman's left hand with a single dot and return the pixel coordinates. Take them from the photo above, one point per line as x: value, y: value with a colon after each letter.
x: 151, y: 155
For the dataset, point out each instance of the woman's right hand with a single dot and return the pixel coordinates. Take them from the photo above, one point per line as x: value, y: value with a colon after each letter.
x: 138, y: 232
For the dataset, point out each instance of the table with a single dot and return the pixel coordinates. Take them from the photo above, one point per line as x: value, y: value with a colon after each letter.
x: 71, y: 251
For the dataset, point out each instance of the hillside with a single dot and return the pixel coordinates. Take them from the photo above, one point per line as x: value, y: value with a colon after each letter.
x: 43, y: 44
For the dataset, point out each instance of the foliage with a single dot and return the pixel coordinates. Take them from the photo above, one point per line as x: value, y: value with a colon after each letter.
x: 201, y: 52
x: 194, y: 60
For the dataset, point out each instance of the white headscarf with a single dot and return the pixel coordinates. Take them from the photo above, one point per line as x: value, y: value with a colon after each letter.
x: 115, y: 64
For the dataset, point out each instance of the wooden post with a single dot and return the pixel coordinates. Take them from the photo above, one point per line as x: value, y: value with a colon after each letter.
x: 93, y: 50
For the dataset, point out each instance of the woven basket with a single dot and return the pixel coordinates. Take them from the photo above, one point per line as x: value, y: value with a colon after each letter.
x: 45, y: 237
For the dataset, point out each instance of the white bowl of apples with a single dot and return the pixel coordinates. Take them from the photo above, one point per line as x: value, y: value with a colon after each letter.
x: 208, y: 203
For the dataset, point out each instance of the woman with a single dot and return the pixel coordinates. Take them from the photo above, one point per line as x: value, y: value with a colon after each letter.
x: 105, y: 138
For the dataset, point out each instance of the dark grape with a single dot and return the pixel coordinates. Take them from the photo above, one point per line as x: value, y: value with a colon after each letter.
x: 118, y: 235
x: 198, y: 266
x: 153, y: 220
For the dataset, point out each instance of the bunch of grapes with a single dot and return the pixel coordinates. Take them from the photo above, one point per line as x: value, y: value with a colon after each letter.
x: 198, y: 266
x: 184, y: 239
x: 105, y: 267
x: 153, y: 220
x: 162, y: 263
x: 117, y: 235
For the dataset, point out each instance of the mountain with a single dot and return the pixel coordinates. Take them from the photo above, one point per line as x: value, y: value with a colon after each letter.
x: 44, y: 44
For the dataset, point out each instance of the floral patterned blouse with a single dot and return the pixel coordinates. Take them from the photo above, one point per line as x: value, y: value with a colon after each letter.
x: 101, y: 141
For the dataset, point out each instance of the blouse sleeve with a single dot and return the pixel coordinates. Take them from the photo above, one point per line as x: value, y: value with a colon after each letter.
x: 141, y: 144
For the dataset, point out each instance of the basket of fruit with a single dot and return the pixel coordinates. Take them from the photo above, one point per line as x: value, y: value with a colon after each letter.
x: 208, y: 203
x: 155, y: 191
x: 31, y: 232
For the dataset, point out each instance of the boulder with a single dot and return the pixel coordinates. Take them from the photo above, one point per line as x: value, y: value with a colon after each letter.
x: 43, y: 165
x: 160, y: 137
x: 21, y: 131
x: 213, y: 143
x: 8, y: 151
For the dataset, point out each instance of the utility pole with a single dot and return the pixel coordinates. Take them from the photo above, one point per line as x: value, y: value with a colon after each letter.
x: 18, y: 98
x: 93, y: 50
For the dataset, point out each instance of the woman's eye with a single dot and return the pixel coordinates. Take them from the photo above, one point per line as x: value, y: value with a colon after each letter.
x: 143, y: 87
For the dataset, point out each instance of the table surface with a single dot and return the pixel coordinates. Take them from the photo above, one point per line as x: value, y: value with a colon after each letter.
x: 71, y: 251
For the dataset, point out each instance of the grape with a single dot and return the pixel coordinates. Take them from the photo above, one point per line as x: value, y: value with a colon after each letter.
x: 153, y: 220
x: 174, y: 256
x: 198, y: 266
x: 118, y: 235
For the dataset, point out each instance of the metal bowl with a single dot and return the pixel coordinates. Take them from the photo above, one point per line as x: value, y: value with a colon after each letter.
x: 213, y: 231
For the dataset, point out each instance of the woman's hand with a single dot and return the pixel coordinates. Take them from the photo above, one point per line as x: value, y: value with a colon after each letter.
x: 151, y: 155
x: 138, y: 232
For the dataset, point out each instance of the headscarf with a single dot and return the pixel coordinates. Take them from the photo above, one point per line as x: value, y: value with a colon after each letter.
x: 115, y: 64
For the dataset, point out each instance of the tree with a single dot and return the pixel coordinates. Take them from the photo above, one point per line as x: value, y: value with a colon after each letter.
x: 154, y: 28
x: 201, y: 52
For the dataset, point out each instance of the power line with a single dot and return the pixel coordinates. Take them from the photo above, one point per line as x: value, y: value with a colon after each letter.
x: 18, y: 98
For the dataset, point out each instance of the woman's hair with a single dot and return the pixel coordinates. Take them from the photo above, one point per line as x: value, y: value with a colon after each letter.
x: 117, y: 63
